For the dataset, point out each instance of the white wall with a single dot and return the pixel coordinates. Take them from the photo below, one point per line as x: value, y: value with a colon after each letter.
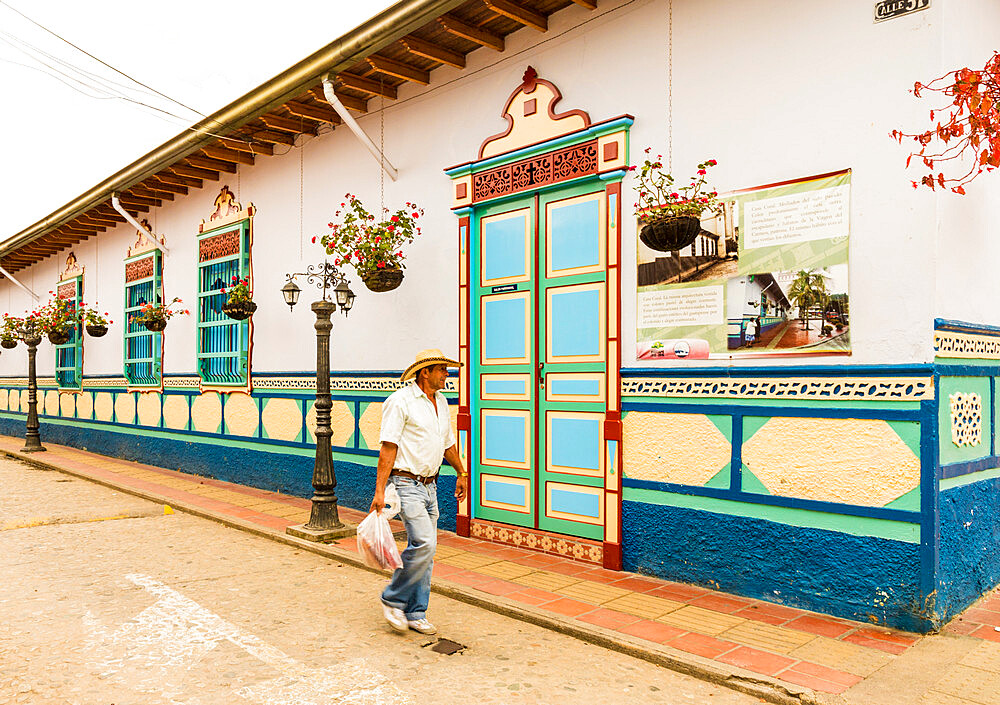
x: 772, y: 90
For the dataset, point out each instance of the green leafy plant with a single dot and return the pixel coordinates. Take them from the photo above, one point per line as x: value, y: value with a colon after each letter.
x: 369, y: 244
x: 238, y: 291
x: 10, y: 327
x: 660, y: 197
x: 159, y: 312
x: 58, y: 314
x: 89, y: 316
x: 970, y: 134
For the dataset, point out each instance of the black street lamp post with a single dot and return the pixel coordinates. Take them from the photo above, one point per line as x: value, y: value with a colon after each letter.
x: 324, y: 523
x: 31, y: 336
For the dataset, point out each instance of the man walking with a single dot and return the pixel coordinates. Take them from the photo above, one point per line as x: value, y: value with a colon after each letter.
x: 416, y: 434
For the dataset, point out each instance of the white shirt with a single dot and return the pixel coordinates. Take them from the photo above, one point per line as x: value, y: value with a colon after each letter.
x: 421, y: 431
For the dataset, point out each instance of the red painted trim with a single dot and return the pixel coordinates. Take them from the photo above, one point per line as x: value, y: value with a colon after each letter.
x: 539, y: 299
x: 464, y: 420
x: 612, y: 431
x: 463, y: 525
x: 790, y: 181
x: 612, y: 556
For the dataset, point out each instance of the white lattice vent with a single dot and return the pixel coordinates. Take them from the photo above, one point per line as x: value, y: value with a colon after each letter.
x: 966, y: 419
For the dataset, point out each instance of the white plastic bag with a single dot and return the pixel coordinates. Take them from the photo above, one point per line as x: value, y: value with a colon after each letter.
x: 376, y: 543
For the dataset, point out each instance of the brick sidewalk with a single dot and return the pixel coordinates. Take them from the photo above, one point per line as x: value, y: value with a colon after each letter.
x: 809, y: 650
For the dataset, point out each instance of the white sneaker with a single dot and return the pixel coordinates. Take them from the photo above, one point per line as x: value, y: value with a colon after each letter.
x: 422, y: 626
x: 395, y: 617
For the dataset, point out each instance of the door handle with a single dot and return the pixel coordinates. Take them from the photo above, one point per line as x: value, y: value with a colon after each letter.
x: 541, y: 375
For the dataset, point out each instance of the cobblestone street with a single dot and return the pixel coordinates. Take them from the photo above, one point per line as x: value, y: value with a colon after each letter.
x: 108, y: 600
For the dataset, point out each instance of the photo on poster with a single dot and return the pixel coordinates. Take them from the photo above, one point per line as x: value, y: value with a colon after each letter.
x: 766, y: 276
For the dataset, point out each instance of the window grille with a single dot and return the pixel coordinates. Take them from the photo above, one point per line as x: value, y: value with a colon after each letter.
x: 223, y: 343
x: 69, y: 356
x: 143, y: 348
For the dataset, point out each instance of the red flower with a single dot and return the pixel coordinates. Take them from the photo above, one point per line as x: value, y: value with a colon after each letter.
x: 415, y: 215
x: 314, y: 239
x: 394, y: 219
x: 701, y: 172
x: 712, y: 162
x: 381, y: 264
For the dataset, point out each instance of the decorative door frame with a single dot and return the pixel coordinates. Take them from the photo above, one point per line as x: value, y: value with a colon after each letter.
x: 538, y: 149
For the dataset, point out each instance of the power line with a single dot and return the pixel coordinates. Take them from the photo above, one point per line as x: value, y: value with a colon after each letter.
x: 62, y: 39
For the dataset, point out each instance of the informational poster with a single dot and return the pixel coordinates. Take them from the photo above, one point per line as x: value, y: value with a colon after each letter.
x: 766, y: 277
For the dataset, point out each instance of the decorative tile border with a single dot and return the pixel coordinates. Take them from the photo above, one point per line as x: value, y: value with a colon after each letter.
x: 966, y: 345
x: 542, y: 541
x: 815, y: 388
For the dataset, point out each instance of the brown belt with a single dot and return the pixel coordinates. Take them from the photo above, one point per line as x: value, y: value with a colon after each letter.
x: 419, y: 478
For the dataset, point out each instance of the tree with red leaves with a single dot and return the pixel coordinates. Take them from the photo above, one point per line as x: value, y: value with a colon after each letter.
x: 971, y: 132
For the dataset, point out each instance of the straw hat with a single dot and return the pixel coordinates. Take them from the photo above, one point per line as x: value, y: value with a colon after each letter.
x: 426, y: 358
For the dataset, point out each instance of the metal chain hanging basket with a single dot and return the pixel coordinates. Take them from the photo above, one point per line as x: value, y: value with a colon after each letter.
x: 60, y: 336
x: 382, y: 280
x: 96, y: 330
x: 670, y: 234
x: 239, y: 310
x: 155, y: 324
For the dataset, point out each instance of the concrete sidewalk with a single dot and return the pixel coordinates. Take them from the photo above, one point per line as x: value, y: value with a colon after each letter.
x: 780, y: 654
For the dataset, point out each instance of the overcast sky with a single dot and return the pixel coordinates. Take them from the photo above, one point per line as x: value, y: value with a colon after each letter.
x: 59, y: 142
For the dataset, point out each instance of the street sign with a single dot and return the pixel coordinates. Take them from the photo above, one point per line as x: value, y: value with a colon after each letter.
x: 891, y: 9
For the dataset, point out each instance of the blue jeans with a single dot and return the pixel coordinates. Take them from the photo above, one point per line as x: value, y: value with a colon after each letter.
x: 410, y: 587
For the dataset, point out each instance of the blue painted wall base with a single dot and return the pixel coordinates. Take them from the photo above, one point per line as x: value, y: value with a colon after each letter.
x: 856, y: 577
x: 277, y: 472
x: 970, y: 545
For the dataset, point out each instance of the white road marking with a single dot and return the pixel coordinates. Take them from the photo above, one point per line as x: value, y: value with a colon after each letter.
x: 153, y: 651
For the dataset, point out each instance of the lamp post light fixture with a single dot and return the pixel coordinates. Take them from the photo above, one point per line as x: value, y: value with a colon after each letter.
x: 324, y: 523
x: 32, y: 336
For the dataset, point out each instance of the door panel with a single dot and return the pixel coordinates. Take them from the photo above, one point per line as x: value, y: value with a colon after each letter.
x: 541, y: 265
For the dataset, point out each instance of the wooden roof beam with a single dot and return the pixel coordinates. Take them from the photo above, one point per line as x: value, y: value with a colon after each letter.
x: 86, y: 223
x: 159, y: 184
x: 313, y: 112
x: 519, y: 13
x: 194, y: 172
x: 133, y: 197
x: 399, y: 69
x: 358, y: 105
x: 434, y: 52
x: 295, y: 126
x: 97, y: 218
x: 168, y: 177
x: 76, y: 231
x: 274, y: 137
x: 130, y: 204
x: 147, y: 191
x: 209, y: 163
x: 216, y: 151
x: 589, y: 4
x: 239, y: 144
x: 473, y: 34
x: 366, y: 85
x: 106, y: 211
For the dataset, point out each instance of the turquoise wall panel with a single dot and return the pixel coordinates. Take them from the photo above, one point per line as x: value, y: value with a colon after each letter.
x: 505, y: 493
x: 576, y: 323
x: 574, y: 232
x: 949, y: 451
x: 504, y: 324
x: 503, y: 248
x: 503, y: 438
x: 579, y: 503
x: 576, y: 443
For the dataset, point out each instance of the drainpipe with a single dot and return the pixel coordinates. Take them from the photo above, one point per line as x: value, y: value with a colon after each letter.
x: 11, y: 277
x: 349, y: 120
x: 135, y: 223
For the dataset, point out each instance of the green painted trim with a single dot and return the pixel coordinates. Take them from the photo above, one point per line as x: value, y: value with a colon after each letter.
x: 909, y: 433
x: 948, y: 452
x: 752, y: 424
x: 751, y: 483
x: 75, y: 343
x: 953, y: 482
x: 724, y: 423
x: 909, y: 501
x: 964, y: 361
x: 721, y: 479
x: 856, y: 526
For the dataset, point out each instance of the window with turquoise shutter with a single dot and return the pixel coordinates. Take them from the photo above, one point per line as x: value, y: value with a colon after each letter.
x: 69, y: 356
x: 223, y: 343
x: 143, y: 348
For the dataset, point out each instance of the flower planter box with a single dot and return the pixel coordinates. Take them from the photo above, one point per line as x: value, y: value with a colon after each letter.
x: 381, y: 280
x: 670, y: 234
x: 60, y: 336
x: 239, y: 310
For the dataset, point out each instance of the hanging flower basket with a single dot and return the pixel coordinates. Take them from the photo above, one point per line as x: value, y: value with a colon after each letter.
x: 381, y: 280
x: 33, y: 340
x: 155, y: 324
x: 670, y: 234
x: 9, y: 343
x: 96, y: 331
x: 239, y: 310
x: 60, y: 336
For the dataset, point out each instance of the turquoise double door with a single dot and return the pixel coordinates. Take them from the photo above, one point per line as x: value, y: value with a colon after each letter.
x: 538, y: 347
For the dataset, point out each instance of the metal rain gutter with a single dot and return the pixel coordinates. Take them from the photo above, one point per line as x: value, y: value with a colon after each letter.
x: 349, y: 120
x: 136, y: 224
x: 391, y: 24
